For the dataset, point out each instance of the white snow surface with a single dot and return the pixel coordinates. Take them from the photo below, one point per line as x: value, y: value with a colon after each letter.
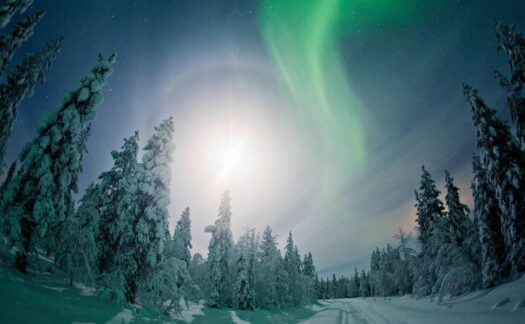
x: 124, y: 317
x: 236, y: 319
x: 187, y: 314
x: 503, y: 304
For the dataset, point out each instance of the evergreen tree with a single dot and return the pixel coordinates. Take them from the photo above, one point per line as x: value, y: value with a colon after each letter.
x: 493, y: 254
x: 271, y: 284
x: 292, y: 265
x: 429, y: 210
x: 20, y: 82
x: 430, y: 222
x: 151, y: 223
x: 513, y: 44
x: 244, y: 283
x: 10, y: 8
x: 39, y: 199
x: 503, y: 160
x: 182, y: 237
x: 308, y: 266
x: 403, y: 273
x: 198, y: 273
x: 77, y: 251
x: 220, y: 254
x: 375, y: 267
x: 364, y: 289
x: 10, y: 42
x: 460, y: 226
x: 117, y: 211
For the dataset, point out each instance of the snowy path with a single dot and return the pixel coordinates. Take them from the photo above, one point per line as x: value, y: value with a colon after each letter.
x: 408, y: 310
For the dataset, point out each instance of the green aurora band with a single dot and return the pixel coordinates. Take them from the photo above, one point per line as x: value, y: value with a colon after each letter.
x: 304, y: 39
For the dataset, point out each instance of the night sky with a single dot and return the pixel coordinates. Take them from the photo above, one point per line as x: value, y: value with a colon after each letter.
x: 334, y: 105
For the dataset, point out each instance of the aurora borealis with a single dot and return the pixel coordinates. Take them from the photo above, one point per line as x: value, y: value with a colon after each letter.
x: 304, y: 40
x: 338, y: 103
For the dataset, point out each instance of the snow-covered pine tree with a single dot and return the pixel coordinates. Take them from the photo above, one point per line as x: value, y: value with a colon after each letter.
x: 429, y: 210
x: 20, y: 82
x: 292, y: 265
x: 403, y: 273
x: 429, y: 213
x: 117, y: 211
x: 460, y: 225
x: 271, y: 284
x: 375, y: 267
x: 513, y: 44
x: 10, y: 42
x: 87, y: 218
x: 151, y: 231
x: 354, y: 285
x: 364, y: 288
x: 38, y: 199
x: 220, y: 251
x: 504, y: 162
x: 198, y: 274
x: 244, y: 280
x: 308, y: 266
x: 493, y: 254
x: 10, y: 8
x: 77, y: 251
x: 181, y: 242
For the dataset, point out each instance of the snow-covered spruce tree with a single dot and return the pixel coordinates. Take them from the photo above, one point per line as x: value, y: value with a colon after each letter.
x: 271, y: 284
x: 493, y: 254
x: 460, y: 225
x: 20, y: 82
x: 86, y: 224
x: 178, y: 248
x: 69, y: 253
x: 198, y: 274
x: 10, y: 8
x: 513, y: 44
x: 181, y: 242
x: 504, y: 162
x: 10, y: 42
x: 429, y: 210
x: 375, y: 267
x: 292, y: 265
x: 429, y: 215
x: 353, y: 289
x: 310, y: 276
x: 364, y: 285
x: 403, y: 273
x: 64, y: 238
x: 308, y: 266
x: 244, y: 276
x: 39, y: 199
x: 151, y: 223
x: 117, y: 211
x: 219, y: 259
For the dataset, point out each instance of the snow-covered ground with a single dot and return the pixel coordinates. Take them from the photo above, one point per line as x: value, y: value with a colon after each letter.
x: 503, y: 304
x: 37, y: 298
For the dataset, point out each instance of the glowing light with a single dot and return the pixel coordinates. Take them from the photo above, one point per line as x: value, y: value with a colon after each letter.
x: 231, y: 159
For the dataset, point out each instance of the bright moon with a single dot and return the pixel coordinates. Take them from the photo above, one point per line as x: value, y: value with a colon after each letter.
x: 231, y: 158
